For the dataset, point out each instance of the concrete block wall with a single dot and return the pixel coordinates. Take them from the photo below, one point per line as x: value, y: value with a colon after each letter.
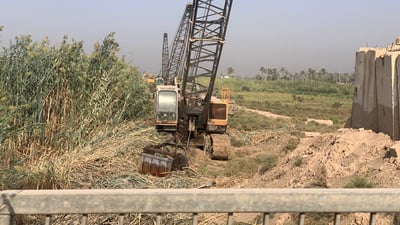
x: 376, y: 90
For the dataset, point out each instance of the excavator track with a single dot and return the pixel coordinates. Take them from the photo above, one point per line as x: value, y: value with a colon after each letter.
x: 220, y: 148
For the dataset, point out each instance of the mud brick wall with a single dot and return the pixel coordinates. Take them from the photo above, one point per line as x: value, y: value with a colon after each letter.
x: 376, y: 90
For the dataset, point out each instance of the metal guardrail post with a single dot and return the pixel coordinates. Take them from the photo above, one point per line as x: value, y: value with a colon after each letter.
x: 302, y: 216
x: 230, y: 219
x: 195, y: 218
x: 372, y: 218
x: 121, y: 219
x: 47, y: 220
x: 266, y: 219
x: 158, y: 220
x: 84, y: 219
x: 337, y: 219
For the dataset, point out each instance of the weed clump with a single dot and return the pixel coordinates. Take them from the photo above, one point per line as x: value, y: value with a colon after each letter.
x: 291, y: 145
x: 298, y: 161
x: 235, y: 142
x: 246, y: 88
x: 359, y: 182
x: 266, y: 163
x: 249, y: 166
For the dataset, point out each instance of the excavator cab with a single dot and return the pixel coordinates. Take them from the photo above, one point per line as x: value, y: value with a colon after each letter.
x: 217, y: 116
x: 166, y: 108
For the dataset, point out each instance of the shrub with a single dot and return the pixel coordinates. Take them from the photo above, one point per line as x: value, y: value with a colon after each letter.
x: 246, y: 88
x: 297, y: 98
x: 318, y: 218
x: 396, y: 219
x: 335, y: 120
x: 359, y: 182
x: 298, y: 161
x: 235, y: 142
x: 266, y: 163
x: 291, y: 145
x: 250, y: 165
x: 239, y: 97
x: 249, y: 121
x: 237, y: 166
x: 336, y: 105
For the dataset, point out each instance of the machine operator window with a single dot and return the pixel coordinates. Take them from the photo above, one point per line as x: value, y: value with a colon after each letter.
x: 218, y: 111
x: 167, y: 101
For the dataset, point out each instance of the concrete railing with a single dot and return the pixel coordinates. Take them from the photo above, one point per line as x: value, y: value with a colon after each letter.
x: 196, y: 201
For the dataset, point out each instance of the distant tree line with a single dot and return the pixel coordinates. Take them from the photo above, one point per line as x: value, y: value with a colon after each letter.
x: 282, y: 73
x: 309, y: 74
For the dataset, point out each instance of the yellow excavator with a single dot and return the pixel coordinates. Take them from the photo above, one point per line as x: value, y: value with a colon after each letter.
x: 184, y: 105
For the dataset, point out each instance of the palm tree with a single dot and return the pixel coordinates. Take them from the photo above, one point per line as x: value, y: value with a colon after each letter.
x: 273, y: 73
x: 311, y: 74
x: 283, y: 73
x: 230, y: 70
x: 262, y: 70
x: 323, y: 74
x: 303, y: 75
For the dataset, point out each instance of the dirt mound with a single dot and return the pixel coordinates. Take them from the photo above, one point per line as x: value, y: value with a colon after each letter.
x: 332, y: 160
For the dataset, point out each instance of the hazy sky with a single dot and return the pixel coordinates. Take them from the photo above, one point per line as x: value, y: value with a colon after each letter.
x: 295, y: 34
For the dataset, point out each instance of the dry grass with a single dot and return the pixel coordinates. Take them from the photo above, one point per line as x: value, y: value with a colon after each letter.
x: 107, y: 155
x: 109, y: 160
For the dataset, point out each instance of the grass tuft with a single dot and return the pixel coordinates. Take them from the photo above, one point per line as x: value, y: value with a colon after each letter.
x: 298, y: 161
x: 359, y: 182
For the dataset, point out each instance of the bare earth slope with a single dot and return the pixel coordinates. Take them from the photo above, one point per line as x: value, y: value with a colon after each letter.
x: 329, y: 160
x: 332, y: 160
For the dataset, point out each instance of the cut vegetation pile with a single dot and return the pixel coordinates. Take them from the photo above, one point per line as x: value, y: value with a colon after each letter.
x: 109, y: 161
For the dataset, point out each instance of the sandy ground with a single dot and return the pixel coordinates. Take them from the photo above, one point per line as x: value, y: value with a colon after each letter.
x: 330, y: 160
x: 276, y: 116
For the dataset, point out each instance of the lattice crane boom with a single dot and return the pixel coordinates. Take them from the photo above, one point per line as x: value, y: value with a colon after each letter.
x: 178, y: 50
x: 165, y: 57
x: 187, y: 108
x: 206, y: 39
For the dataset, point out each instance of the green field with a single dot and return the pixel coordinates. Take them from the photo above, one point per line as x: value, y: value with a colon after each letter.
x: 297, y: 99
x: 298, y: 106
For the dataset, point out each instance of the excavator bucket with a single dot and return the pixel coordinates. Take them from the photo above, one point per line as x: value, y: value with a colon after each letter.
x: 159, y: 160
x: 154, y: 164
